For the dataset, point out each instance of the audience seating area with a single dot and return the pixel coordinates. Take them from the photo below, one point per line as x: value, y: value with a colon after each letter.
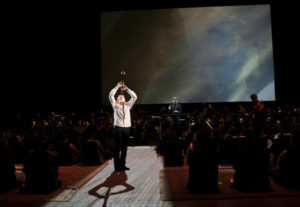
x: 53, y: 139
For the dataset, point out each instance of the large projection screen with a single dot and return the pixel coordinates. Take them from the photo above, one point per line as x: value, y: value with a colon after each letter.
x: 199, y: 54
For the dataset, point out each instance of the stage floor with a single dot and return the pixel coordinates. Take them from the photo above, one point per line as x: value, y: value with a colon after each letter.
x: 139, y: 187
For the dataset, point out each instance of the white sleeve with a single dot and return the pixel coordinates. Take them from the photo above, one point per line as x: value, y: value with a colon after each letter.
x: 112, y: 96
x: 133, y: 97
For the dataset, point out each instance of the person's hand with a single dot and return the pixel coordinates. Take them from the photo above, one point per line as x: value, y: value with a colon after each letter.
x: 246, y: 114
x: 124, y: 87
x: 175, y: 112
x: 120, y: 84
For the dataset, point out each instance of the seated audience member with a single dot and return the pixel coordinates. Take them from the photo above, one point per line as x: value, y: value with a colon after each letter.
x: 92, y: 151
x: 203, y: 164
x: 67, y: 152
x: 7, y: 172
x: 173, y: 153
x: 251, y: 164
x: 41, y: 169
x: 18, y: 147
x: 286, y: 172
x: 105, y: 134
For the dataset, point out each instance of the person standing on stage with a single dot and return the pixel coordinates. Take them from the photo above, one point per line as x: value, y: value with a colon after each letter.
x: 175, y: 109
x: 122, y: 124
x: 257, y: 113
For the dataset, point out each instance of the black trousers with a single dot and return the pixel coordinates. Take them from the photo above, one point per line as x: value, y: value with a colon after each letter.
x: 121, y: 136
x: 174, y: 121
x: 175, y: 124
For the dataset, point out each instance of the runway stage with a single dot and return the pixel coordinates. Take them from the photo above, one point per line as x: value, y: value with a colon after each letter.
x: 137, y: 187
x: 140, y: 187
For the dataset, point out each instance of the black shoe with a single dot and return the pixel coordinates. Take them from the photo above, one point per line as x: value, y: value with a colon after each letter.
x: 125, y: 168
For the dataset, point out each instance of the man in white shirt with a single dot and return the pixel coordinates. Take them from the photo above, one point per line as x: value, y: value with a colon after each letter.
x: 122, y: 124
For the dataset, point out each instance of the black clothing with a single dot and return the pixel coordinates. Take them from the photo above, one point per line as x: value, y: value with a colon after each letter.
x: 251, y: 166
x: 41, y: 170
x: 175, y: 110
x: 258, y: 114
x: 175, y: 107
x: 121, y: 137
x: 203, y: 166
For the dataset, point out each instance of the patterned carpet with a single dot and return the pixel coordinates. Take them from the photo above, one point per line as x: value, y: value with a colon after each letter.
x: 173, y: 182
x: 73, y: 177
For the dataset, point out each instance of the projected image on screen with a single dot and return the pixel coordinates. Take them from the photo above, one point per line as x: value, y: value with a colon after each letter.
x: 203, y: 54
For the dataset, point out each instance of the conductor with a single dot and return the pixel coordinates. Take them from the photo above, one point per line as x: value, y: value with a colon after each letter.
x: 175, y: 110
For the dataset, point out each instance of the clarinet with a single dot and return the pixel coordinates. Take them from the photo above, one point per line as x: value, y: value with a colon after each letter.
x: 123, y: 73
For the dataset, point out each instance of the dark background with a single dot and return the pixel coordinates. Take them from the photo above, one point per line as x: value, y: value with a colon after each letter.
x: 51, y: 57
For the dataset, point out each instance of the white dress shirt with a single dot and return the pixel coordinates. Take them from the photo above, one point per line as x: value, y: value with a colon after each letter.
x: 122, y: 110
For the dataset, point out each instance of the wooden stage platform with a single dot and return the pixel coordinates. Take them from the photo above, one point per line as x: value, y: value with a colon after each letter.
x: 139, y: 187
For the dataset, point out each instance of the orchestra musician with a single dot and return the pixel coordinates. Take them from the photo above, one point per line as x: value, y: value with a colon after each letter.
x: 257, y: 113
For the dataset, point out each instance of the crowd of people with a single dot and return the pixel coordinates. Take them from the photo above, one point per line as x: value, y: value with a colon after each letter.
x: 42, y: 144
x: 66, y: 138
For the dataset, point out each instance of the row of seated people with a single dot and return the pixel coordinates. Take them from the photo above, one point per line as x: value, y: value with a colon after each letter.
x: 67, y: 143
x: 42, y: 160
x: 254, y: 161
x: 145, y: 127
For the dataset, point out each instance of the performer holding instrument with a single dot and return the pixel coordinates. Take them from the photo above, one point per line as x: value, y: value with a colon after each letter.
x: 122, y: 122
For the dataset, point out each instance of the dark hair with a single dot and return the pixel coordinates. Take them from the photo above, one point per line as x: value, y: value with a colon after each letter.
x: 253, y: 96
